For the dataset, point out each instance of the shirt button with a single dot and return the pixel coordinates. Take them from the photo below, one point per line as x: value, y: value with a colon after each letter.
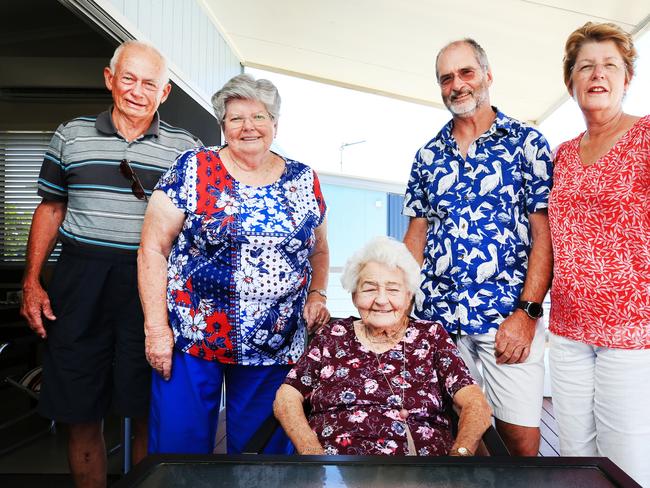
x: 468, y: 167
x: 461, y: 256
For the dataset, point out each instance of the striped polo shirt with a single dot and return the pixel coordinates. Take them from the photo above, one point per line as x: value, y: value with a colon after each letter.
x: 82, y: 168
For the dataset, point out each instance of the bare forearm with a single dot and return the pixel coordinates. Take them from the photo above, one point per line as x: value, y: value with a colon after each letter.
x: 152, y: 285
x: 42, y: 238
x: 288, y: 409
x: 540, y: 260
x: 320, y: 258
x: 474, y: 418
x: 415, y: 237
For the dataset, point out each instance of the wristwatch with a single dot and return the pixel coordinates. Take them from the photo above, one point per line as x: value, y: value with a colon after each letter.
x: 533, y: 309
x: 461, y: 451
x: 322, y: 293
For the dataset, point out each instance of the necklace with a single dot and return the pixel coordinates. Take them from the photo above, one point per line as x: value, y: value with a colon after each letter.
x: 403, y: 413
x: 268, y: 165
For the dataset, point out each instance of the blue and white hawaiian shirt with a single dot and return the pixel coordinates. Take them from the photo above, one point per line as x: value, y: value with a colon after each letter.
x: 478, y: 239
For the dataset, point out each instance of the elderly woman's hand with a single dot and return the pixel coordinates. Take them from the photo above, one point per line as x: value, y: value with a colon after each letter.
x: 315, y: 312
x: 158, y: 346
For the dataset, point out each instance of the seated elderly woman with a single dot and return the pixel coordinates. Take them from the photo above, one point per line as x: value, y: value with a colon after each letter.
x: 383, y: 384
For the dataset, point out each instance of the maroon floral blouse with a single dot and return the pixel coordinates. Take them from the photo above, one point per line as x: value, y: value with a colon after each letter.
x: 355, y: 412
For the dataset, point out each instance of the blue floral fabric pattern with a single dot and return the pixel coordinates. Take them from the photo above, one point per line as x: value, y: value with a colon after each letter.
x: 239, y: 271
x: 355, y: 411
x: 478, y: 238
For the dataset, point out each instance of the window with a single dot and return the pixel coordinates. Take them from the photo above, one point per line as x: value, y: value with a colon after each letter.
x: 21, y: 156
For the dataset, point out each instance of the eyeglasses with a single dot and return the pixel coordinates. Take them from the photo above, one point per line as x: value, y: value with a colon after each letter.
x: 587, y: 69
x: 258, y: 120
x: 136, y: 187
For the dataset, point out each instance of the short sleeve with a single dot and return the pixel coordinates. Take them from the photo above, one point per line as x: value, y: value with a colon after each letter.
x: 52, y: 184
x: 450, y: 367
x: 320, y: 200
x: 415, y: 201
x: 537, y: 171
x: 179, y: 182
x: 305, y: 375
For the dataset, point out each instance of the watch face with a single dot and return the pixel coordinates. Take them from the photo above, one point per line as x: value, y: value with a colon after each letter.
x: 535, y: 310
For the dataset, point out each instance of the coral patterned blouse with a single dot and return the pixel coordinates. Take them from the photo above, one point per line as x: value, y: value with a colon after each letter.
x: 600, y: 226
x: 356, y: 412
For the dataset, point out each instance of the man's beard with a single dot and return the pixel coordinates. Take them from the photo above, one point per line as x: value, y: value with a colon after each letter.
x: 468, y: 107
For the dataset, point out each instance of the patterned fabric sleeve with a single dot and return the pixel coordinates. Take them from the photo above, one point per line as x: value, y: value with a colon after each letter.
x: 319, y: 199
x: 178, y: 183
x: 51, y: 180
x: 537, y: 171
x: 305, y: 375
x: 415, y: 202
x: 450, y: 367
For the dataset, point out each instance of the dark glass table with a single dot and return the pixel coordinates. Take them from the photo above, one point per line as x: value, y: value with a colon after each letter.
x: 249, y: 471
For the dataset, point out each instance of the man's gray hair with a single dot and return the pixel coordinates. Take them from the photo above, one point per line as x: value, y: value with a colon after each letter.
x: 143, y: 45
x: 245, y: 87
x: 479, y: 52
x: 383, y: 250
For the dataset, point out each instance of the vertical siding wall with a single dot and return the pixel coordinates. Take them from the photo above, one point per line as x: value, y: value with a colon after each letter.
x: 184, y: 33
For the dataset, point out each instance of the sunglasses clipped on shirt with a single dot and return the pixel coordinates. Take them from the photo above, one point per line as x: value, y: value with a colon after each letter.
x: 136, y: 187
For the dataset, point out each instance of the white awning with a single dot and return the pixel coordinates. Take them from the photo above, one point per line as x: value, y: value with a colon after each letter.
x: 388, y: 46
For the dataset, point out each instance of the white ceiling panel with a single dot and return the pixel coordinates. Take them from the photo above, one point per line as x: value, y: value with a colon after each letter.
x: 389, y: 46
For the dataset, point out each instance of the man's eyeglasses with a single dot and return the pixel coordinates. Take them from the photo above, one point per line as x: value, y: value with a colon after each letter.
x: 258, y: 120
x: 136, y: 187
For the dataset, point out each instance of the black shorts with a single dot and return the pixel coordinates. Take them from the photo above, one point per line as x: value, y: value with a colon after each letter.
x: 94, y: 356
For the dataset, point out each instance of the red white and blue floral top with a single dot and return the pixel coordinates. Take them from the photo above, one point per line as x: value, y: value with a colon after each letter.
x: 238, y: 272
x: 355, y: 412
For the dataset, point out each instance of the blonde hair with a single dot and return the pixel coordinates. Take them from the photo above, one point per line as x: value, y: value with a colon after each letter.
x: 595, y: 32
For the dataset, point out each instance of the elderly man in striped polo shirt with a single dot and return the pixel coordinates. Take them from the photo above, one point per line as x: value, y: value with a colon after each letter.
x: 95, y: 180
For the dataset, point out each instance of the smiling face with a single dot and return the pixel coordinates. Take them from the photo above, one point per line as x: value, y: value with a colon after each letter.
x: 138, y: 84
x: 382, y: 297
x: 463, y: 82
x: 598, y: 79
x: 248, y: 128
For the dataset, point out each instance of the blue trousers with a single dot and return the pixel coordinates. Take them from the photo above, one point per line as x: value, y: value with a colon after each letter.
x: 185, y: 410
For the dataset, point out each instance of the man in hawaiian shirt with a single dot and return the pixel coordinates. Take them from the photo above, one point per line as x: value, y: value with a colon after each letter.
x: 477, y: 198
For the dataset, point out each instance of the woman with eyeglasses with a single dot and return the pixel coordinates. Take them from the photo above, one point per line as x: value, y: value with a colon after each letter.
x: 600, y: 226
x: 233, y: 270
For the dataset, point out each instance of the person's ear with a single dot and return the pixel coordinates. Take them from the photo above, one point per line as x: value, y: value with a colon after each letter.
x: 166, y: 90
x: 108, y: 78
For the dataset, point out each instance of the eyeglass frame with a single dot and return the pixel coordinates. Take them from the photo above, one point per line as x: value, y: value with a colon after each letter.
x: 589, y: 67
x: 266, y: 118
x: 127, y: 171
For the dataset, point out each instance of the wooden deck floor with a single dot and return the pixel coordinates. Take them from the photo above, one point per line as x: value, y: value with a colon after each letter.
x: 549, y: 445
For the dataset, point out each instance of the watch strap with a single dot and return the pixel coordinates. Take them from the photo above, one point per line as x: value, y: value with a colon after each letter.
x: 321, y: 292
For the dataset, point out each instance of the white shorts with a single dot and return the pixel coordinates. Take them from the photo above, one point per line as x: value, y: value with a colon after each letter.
x: 600, y: 400
x: 515, y: 391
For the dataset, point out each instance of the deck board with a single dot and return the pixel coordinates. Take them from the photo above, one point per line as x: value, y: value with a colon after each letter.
x: 550, y: 443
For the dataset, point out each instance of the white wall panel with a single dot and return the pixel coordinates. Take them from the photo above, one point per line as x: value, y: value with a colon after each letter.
x: 186, y: 36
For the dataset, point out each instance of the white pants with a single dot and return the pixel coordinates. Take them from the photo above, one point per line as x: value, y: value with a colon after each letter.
x: 514, y: 391
x: 601, y: 399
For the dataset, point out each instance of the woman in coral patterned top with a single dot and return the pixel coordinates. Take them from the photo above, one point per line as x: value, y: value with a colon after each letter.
x: 383, y: 384
x: 599, y: 212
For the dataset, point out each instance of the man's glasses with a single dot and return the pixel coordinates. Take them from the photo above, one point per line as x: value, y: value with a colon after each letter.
x: 136, y: 187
